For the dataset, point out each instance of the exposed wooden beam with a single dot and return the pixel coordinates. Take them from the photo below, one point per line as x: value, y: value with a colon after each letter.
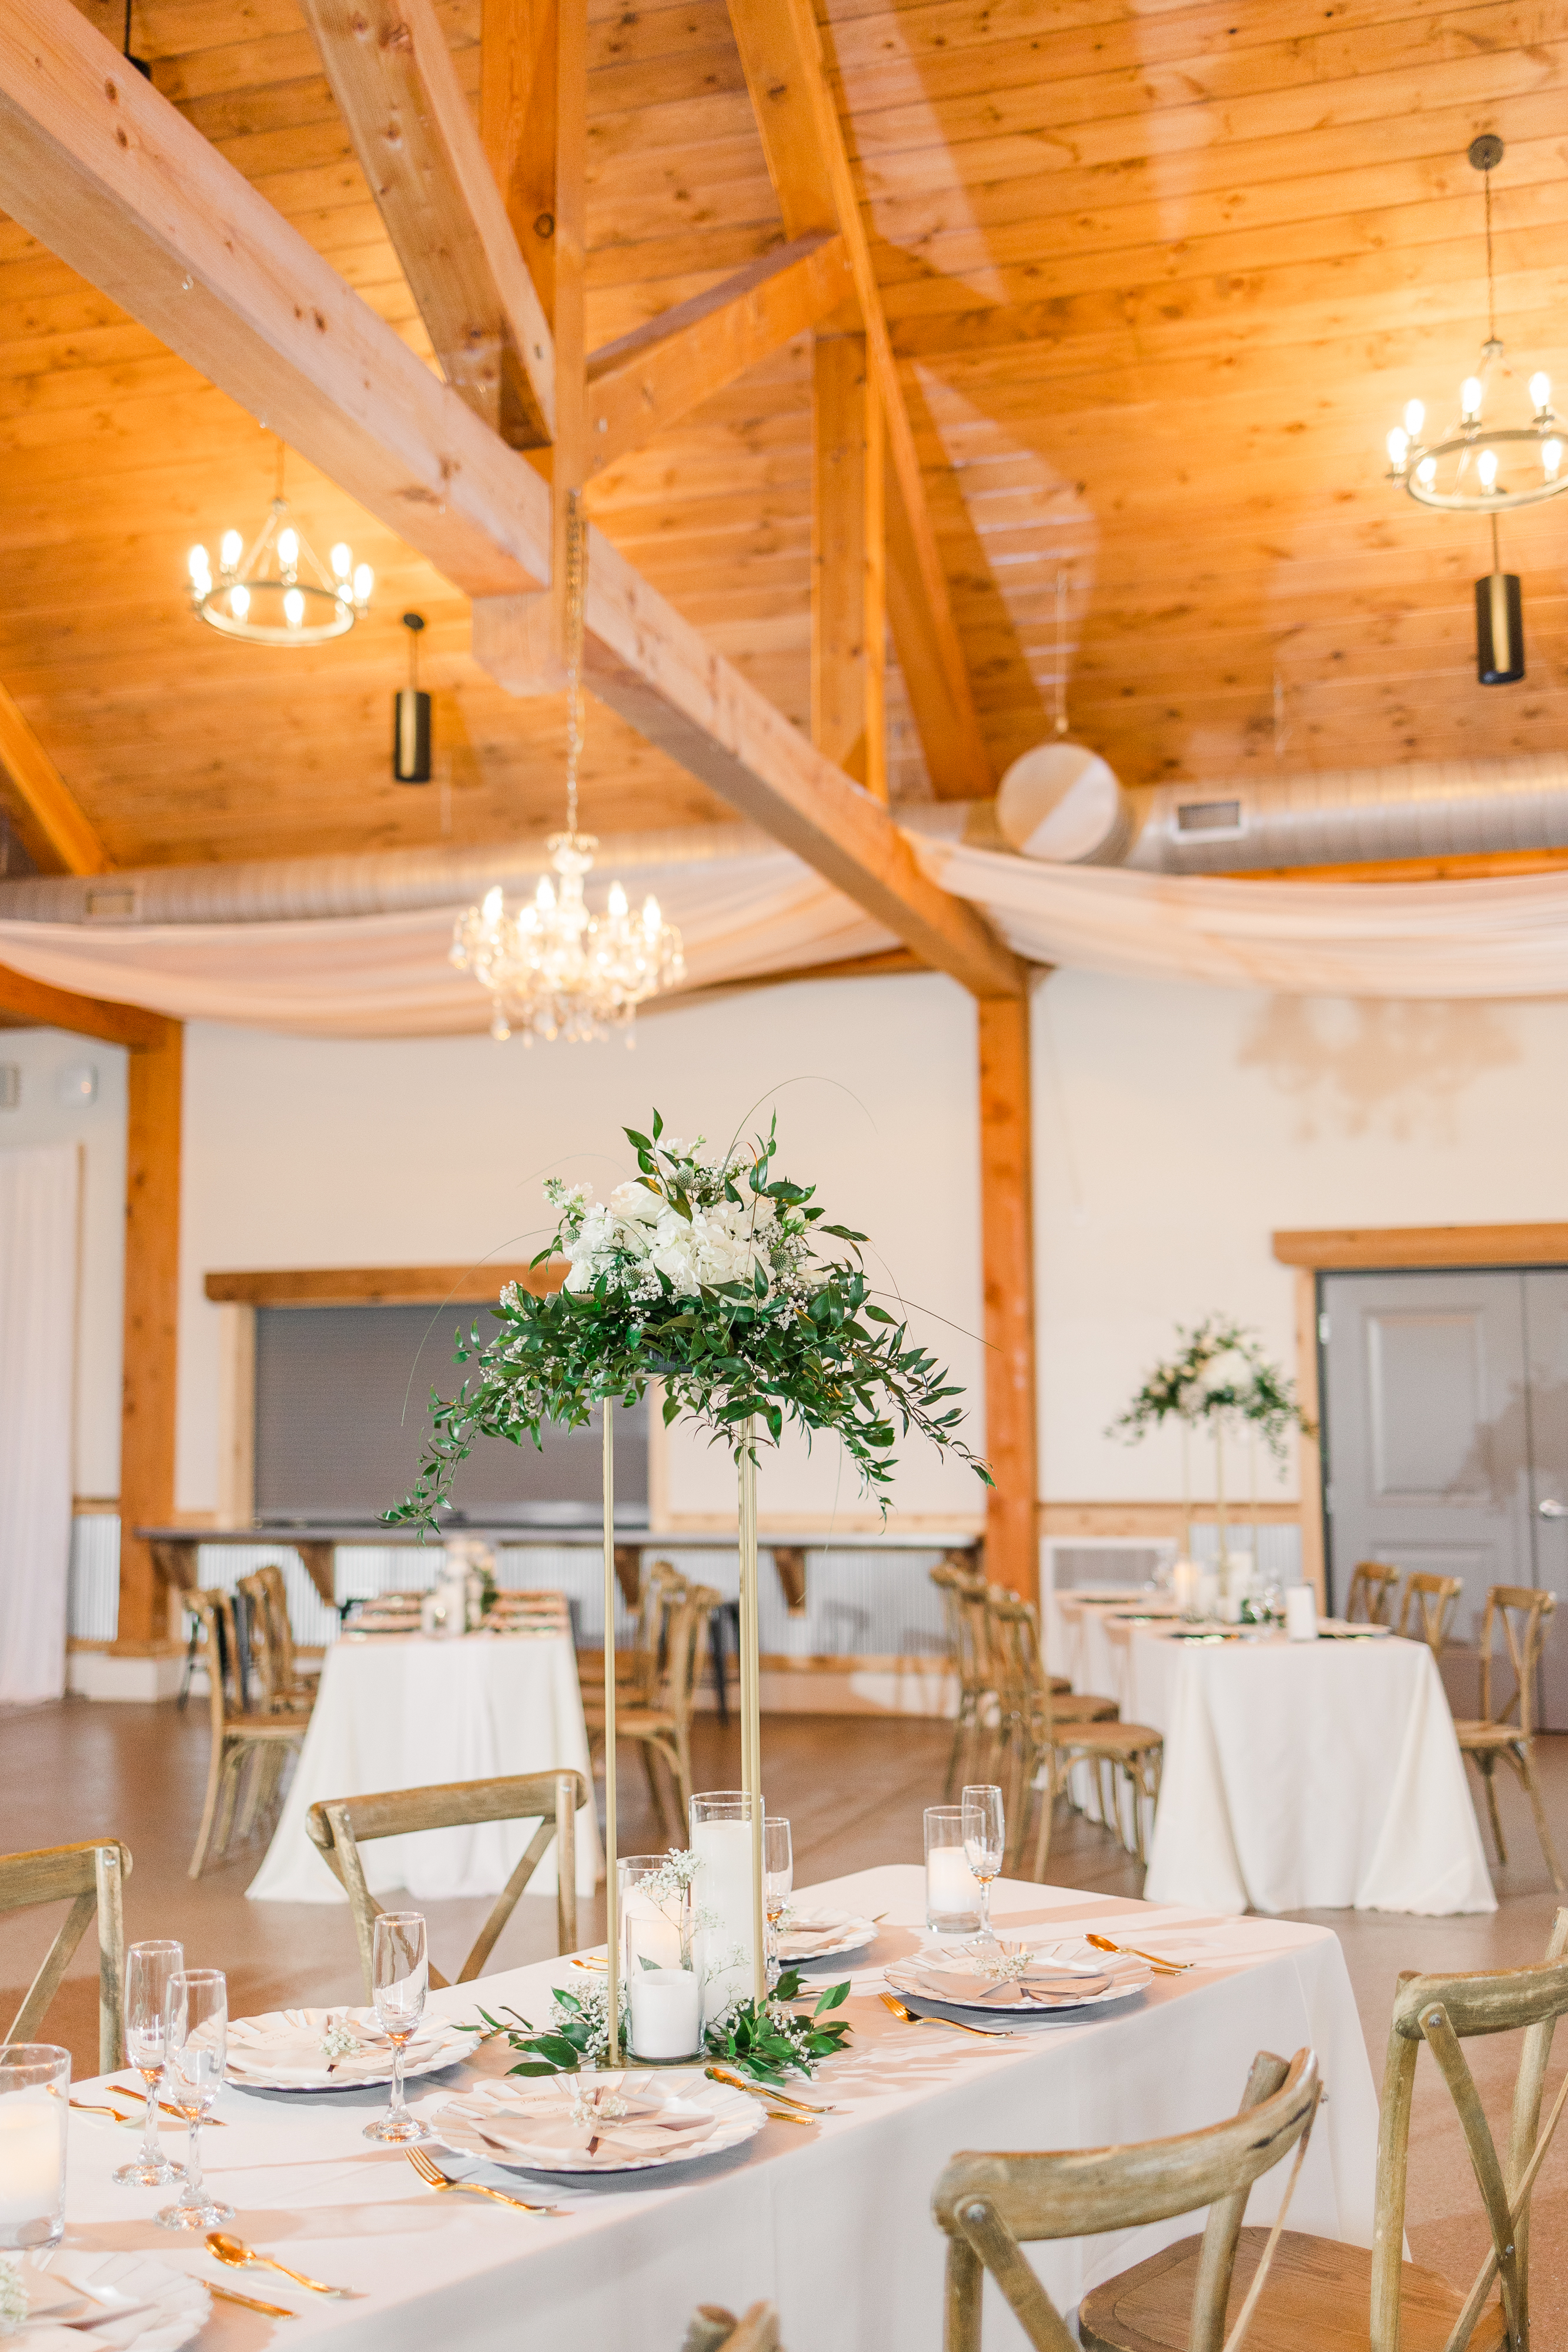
x: 35, y: 1002
x: 781, y: 54
x: 50, y: 820
x: 380, y: 1285
x: 640, y: 385
x: 1007, y: 1258
x: 107, y: 173
x: 153, y: 1116
x: 393, y: 79
x: 1361, y: 1249
x: 848, y: 602
x: 517, y: 126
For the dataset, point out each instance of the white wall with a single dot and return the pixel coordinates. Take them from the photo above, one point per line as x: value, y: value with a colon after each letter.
x: 1177, y: 1126
x: 303, y: 1153
x: 99, y: 1127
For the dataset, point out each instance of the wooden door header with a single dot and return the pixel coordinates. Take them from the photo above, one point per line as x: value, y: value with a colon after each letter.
x: 1350, y: 1249
x: 379, y: 1285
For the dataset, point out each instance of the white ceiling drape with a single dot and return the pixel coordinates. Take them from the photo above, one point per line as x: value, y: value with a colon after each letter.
x: 763, y: 911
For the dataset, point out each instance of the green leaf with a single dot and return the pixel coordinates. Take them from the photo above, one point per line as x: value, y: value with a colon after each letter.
x: 832, y: 1996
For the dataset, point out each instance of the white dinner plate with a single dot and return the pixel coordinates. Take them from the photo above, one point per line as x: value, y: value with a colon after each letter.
x: 281, y: 2051
x: 1106, y: 1977
x: 530, y: 2126
x: 841, y: 1931
x: 146, y: 2303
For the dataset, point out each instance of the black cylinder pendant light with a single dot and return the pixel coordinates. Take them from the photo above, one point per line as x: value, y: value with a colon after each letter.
x: 1500, y: 623
x: 410, y: 716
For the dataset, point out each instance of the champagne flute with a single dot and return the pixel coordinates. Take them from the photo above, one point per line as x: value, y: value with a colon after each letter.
x: 777, y: 1878
x: 195, y: 2045
x: 985, y: 1842
x: 148, y: 1970
x: 400, y: 1972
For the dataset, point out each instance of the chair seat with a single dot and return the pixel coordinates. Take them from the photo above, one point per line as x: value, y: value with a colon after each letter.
x: 1318, y: 2299
x: 264, y: 1727
x: 1488, y: 1734
x: 1109, y: 1739
x: 1084, y: 1706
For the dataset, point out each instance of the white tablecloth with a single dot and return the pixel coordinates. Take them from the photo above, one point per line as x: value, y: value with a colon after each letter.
x: 834, y: 2223
x: 1298, y: 1775
x: 402, y: 1711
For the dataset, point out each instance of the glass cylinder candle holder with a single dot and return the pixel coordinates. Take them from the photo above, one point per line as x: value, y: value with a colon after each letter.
x: 952, y: 1890
x: 722, y: 1894
x: 651, y: 1894
x: 665, y: 2000
x: 35, y: 2107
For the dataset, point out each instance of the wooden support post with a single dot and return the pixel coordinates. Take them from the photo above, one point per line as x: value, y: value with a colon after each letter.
x: 848, y: 614
x: 151, y: 1313
x: 1309, y: 1450
x: 569, y: 471
x: 1007, y: 1249
x: 517, y: 126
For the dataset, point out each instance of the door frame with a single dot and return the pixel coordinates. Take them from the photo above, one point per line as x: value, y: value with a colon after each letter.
x: 1382, y: 1249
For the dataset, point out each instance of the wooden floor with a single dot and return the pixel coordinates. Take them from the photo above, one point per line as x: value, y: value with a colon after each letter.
x: 853, y: 1789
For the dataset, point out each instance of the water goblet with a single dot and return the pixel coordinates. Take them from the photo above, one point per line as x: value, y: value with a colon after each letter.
x: 985, y: 1842
x: 777, y: 1879
x: 399, y: 1972
x: 149, y: 1970
x: 195, y: 2051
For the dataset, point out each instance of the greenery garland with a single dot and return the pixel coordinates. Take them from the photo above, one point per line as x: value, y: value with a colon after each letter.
x: 766, y: 2039
x: 704, y: 1274
x: 1218, y: 1375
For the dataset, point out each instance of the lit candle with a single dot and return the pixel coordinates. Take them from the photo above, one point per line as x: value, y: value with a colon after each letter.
x: 1302, y: 1612
x: 666, y: 2012
x: 952, y: 1890
x: 32, y: 2165
x: 1185, y: 1582
x: 722, y: 1887
x: 650, y: 1934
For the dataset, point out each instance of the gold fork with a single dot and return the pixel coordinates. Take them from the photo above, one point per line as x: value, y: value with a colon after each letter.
x: 1170, y: 1968
x: 433, y: 2175
x: 908, y: 2017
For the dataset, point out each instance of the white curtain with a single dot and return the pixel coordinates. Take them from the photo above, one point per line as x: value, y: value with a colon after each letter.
x: 38, y: 1367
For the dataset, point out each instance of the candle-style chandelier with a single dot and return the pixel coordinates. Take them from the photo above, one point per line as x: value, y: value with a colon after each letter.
x: 1476, y: 465
x: 277, y: 590
x: 553, y: 969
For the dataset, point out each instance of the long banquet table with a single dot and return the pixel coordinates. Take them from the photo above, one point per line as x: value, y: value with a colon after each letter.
x: 1298, y: 1775
x: 832, y: 2223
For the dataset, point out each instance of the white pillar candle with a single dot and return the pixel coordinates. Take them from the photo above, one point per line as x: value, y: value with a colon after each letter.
x: 1184, y: 1581
x: 658, y: 1938
x: 32, y: 2160
x: 666, y: 2012
x: 952, y: 1890
x: 1302, y: 1612
x: 722, y: 1887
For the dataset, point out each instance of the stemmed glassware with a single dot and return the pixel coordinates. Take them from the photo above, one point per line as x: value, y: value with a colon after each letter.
x: 985, y: 1842
x: 400, y: 1972
x: 777, y: 1879
x: 195, y: 2047
x: 149, y: 1970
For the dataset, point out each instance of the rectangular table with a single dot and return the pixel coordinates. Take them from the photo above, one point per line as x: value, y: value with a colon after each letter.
x: 832, y: 2222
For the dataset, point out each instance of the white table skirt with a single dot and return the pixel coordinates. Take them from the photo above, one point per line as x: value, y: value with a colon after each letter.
x: 402, y: 1711
x: 1298, y: 1775
x: 834, y: 2223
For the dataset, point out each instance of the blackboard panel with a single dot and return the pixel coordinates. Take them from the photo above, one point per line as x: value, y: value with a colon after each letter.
x: 342, y: 1408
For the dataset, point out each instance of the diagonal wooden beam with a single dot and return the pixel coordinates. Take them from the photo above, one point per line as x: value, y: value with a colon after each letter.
x: 85, y: 1016
x: 393, y: 79
x: 107, y: 174
x: 516, y: 124
x: 52, y: 820
x: 781, y: 56
x: 643, y: 382
x: 848, y: 605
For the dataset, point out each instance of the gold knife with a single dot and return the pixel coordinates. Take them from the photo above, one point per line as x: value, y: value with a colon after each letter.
x: 272, y: 2310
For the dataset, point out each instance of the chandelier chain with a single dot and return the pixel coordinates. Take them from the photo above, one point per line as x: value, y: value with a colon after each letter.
x: 576, y: 598
x: 1491, y: 281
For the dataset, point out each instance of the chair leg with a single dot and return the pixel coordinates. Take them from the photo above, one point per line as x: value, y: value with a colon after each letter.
x: 209, y: 1810
x: 1524, y: 1764
x: 1487, y: 1764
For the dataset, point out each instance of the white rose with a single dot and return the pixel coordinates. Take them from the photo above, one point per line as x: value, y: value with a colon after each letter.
x: 636, y: 1205
x: 1230, y: 1371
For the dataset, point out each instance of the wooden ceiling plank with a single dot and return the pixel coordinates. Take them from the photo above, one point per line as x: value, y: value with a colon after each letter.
x: 648, y: 380
x: 804, y: 145
x: 56, y: 815
x: 393, y: 78
x: 105, y: 171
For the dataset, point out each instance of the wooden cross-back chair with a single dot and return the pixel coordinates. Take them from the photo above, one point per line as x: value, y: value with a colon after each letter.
x: 713, y: 2330
x: 1370, y: 1600
x: 281, y: 1687
x: 1356, y: 2299
x: 963, y: 1614
x: 1426, y: 1609
x: 1498, y: 1737
x: 90, y: 1878
x: 339, y: 1826
x: 250, y: 1746
x: 1034, y: 1713
x: 660, y: 1722
x: 991, y: 2206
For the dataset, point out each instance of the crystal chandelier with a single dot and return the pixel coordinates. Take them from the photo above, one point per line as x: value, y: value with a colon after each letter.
x: 277, y: 591
x: 1475, y: 468
x: 553, y: 969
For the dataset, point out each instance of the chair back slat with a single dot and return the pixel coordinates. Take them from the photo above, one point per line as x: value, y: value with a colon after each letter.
x: 1525, y: 1615
x: 90, y: 1877
x: 1427, y: 1608
x: 1371, y: 1595
x: 339, y: 1826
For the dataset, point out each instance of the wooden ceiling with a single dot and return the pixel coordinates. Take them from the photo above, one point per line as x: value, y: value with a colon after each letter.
x: 1160, y: 278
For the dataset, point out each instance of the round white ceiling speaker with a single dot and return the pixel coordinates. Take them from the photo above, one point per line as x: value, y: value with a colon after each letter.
x: 1060, y: 802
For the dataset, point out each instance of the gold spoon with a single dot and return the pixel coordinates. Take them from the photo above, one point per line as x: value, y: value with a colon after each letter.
x: 238, y: 2256
x: 1171, y: 1968
x: 984, y: 2032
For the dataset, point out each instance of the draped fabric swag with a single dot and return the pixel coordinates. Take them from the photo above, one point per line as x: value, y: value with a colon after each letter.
x: 37, y: 1365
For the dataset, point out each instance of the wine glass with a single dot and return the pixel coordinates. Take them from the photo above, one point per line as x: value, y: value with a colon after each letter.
x: 777, y: 1878
x: 195, y: 2049
x: 985, y: 1842
x: 400, y: 1972
x: 148, y: 1970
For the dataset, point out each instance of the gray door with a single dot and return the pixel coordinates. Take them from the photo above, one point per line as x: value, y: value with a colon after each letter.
x: 1427, y: 1423
x: 1546, y: 1337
